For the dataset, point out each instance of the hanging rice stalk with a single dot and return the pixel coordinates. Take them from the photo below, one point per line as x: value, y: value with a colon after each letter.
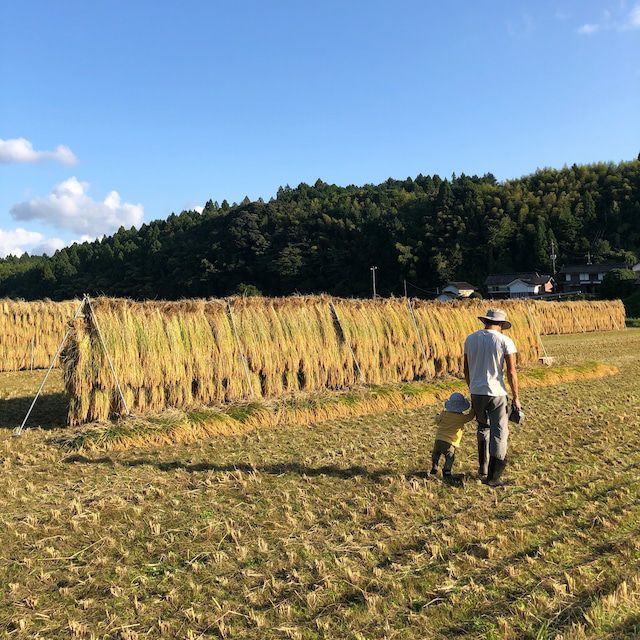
x: 184, y: 354
x: 577, y: 317
x: 30, y: 332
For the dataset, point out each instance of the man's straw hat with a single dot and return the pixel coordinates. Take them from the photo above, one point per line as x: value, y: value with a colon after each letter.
x: 496, y: 316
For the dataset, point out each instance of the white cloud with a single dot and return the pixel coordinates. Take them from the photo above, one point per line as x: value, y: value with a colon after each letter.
x: 21, y: 150
x: 16, y: 241
x: 523, y: 26
x: 633, y: 20
x: 49, y: 246
x: 588, y: 29
x: 69, y: 207
x: 199, y: 209
x: 630, y: 22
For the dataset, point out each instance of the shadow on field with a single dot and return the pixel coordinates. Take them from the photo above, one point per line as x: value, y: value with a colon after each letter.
x: 276, y: 469
x: 50, y: 411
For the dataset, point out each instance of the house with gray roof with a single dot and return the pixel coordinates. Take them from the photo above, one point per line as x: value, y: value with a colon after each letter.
x: 518, y: 285
x: 458, y: 289
x: 585, y: 278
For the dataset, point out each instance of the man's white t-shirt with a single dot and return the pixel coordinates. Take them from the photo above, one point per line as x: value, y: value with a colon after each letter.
x: 485, y: 351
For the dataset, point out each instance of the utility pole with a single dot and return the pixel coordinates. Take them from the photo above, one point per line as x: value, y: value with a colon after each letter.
x: 553, y: 257
x: 405, y: 289
x: 373, y: 279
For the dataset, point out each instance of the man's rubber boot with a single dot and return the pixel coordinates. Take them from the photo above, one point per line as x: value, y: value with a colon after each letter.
x: 483, y: 471
x: 490, y: 470
x: 495, y: 472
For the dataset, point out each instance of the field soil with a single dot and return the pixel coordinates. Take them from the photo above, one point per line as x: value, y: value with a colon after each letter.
x: 335, y: 530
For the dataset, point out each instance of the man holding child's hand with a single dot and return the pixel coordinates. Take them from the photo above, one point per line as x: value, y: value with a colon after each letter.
x: 485, y: 353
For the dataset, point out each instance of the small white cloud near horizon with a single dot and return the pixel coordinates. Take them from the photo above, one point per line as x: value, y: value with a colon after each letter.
x: 630, y: 23
x: 15, y: 242
x: 588, y: 29
x: 21, y: 150
x: 69, y: 207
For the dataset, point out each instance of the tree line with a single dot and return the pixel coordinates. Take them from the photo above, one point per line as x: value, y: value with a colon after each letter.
x: 324, y: 238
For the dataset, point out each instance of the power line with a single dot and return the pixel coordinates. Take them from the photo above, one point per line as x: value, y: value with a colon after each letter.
x: 415, y: 286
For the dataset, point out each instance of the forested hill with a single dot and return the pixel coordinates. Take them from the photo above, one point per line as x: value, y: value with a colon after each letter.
x: 324, y: 238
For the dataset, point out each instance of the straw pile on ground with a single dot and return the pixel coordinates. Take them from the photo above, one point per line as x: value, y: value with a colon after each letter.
x: 181, y: 354
x: 30, y: 332
x: 183, y: 426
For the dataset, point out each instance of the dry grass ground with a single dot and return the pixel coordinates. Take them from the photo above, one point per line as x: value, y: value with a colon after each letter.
x: 333, y: 531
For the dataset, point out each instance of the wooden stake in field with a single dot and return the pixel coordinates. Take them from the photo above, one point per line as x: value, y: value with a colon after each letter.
x: 546, y: 359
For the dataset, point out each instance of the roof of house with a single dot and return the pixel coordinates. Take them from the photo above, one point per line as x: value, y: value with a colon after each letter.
x: 543, y: 279
x: 592, y: 268
x: 497, y: 279
x: 460, y: 285
x: 504, y: 279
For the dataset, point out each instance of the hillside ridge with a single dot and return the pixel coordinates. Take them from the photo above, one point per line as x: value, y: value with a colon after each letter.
x: 324, y: 238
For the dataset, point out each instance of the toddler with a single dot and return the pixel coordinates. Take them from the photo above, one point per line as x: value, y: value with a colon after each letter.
x: 450, y: 425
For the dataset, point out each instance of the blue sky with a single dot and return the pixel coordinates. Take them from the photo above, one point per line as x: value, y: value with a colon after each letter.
x: 162, y: 105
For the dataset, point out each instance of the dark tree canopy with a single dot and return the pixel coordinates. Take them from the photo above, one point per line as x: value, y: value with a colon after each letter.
x: 323, y: 238
x: 618, y: 283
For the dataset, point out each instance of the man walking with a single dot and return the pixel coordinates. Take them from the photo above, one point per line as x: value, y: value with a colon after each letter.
x: 485, y: 353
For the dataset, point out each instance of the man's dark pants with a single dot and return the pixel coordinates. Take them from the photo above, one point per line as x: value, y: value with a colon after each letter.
x: 493, y: 428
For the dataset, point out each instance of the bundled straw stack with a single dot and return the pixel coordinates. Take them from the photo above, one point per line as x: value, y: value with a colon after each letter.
x: 30, y: 332
x: 576, y: 317
x: 180, y: 354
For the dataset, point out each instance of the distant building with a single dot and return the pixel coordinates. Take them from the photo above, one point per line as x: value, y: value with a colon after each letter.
x: 459, y: 289
x: 586, y: 278
x: 518, y: 285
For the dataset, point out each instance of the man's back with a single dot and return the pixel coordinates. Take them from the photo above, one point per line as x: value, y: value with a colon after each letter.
x: 485, y: 351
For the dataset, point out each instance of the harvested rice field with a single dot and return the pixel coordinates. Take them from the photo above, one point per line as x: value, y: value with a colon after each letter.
x: 332, y: 530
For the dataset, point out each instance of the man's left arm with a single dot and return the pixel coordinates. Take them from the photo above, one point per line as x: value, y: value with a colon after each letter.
x: 512, y: 377
x: 466, y: 371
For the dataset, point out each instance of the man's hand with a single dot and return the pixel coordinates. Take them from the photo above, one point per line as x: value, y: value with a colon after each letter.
x: 516, y: 404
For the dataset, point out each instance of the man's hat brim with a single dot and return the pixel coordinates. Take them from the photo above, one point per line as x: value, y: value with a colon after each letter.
x: 505, y: 323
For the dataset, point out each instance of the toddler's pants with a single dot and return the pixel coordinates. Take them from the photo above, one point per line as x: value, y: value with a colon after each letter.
x: 446, y: 449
